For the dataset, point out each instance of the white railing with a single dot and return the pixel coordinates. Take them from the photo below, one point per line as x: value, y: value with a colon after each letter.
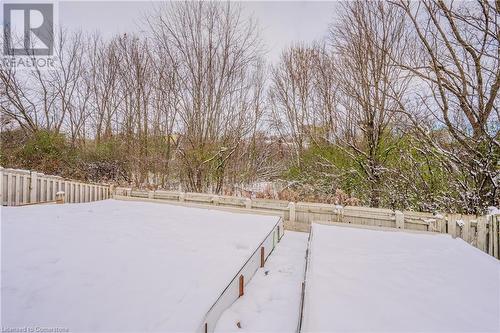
x: 24, y: 187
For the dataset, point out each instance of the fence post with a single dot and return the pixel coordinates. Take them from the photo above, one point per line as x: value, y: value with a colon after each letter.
x: 400, y: 219
x: 262, y: 256
x: 441, y: 223
x: 248, y: 203
x: 215, y: 200
x: 241, y: 286
x: 151, y: 194
x: 291, y: 211
x: 182, y: 197
x: 60, y: 197
x: 338, y: 211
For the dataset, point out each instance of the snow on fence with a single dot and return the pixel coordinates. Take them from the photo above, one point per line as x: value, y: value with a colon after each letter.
x: 479, y: 231
x: 236, y: 288
x: 23, y: 187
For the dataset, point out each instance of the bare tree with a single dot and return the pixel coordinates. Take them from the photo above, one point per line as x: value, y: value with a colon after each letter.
x: 37, y: 98
x: 365, y: 40
x: 136, y: 74
x: 457, y: 60
x: 291, y: 96
x: 213, y: 51
x: 104, y: 83
x: 164, y: 113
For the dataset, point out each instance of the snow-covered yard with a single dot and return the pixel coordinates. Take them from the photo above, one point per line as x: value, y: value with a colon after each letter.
x: 137, y: 266
x: 120, y: 266
x: 388, y: 281
x: 272, y: 299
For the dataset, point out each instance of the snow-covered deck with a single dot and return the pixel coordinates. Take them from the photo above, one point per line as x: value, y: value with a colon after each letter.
x: 120, y: 266
x: 387, y: 281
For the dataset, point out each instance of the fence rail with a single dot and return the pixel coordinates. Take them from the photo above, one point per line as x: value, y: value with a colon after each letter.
x: 24, y: 187
x: 479, y: 231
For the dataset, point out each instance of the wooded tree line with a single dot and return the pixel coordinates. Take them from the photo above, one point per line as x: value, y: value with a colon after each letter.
x: 397, y: 106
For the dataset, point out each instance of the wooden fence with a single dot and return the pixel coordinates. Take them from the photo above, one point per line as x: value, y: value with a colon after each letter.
x: 479, y: 231
x: 24, y: 187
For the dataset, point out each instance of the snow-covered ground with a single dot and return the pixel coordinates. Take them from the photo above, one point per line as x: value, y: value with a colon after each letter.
x: 365, y: 281
x: 272, y: 299
x: 120, y: 265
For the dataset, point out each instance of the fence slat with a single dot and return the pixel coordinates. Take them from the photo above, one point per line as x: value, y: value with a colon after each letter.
x: 481, y: 233
x: 48, y: 185
x: 1, y: 187
x: 466, y: 230
x: 9, y: 189
x: 452, y: 225
x: 26, y: 189
x: 495, y: 236
x: 18, y: 190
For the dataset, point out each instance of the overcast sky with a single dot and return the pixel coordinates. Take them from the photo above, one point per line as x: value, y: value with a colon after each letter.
x: 281, y: 23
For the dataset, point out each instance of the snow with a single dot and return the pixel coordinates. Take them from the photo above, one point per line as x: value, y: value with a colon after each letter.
x: 429, y: 221
x: 120, y: 265
x: 271, y: 301
x: 363, y: 280
x: 493, y: 210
